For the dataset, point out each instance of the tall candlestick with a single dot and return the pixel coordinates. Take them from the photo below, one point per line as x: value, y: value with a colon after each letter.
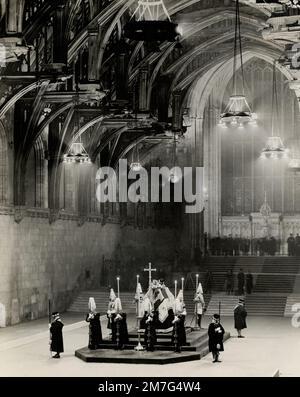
x: 118, y: 284
x: 182, y: 284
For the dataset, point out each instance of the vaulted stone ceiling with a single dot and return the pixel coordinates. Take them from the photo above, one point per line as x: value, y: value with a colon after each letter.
x: 71, y: 57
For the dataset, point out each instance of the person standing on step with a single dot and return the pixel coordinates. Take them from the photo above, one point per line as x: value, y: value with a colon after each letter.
x: 208, y: 282
x: 199, y: 304
x: 179, y: 334
x: 241, y: 282
x: 240, y: 315
x: 297, y: 245
x: 291, y: 245
x: 229, y: 282
x: 249, y: 283
x: 56, y: 343
x: 215, y: 338
x: 95, y: 332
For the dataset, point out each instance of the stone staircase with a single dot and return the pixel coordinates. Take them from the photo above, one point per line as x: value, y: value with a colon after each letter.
x: 265, y: 305
x: 256, y: 305
x: 293, y: 299
x: 275, y: 283
x: 227, y: 305
x: 80, y: 304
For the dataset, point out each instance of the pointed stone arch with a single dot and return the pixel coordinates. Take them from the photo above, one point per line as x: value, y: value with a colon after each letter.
x: 3, y: 166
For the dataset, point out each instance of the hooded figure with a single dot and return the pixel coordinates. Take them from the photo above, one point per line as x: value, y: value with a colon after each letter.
x: 95, y: 332
x: 215, y: 338
x: 111, y: 307
x: 179, y: 334
x: 56, y: 327
x: 199, y: 304
x: 240, y: 315
x: 139, y: 297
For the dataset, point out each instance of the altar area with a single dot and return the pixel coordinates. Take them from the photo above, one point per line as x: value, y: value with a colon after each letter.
x: 158, y: 308
x: 253, y: 227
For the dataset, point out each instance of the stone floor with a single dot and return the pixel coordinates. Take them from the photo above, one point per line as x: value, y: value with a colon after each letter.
x: 271, y: 344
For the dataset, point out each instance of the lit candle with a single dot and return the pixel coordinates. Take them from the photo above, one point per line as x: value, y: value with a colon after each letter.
x: 118, y: 284
x: 197, y: 281
x: 182, y: 284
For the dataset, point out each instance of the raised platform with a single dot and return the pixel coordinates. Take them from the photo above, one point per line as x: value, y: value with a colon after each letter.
x: 196, y: 348
x: 133, y: 357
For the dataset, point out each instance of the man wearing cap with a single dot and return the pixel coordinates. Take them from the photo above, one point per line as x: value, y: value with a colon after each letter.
x: 241, y: 282
x: 215, y: 338
x: 56, y: 342
x: 240, y: 315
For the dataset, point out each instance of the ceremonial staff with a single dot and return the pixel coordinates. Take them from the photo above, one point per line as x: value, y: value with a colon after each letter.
x: 139, y: 347
x: 118, y: 322
x: 196, y: 304
x: 175, y: 321
x: 49, y: 319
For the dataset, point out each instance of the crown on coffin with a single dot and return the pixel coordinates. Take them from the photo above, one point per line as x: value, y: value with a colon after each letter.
x: 156, y: 284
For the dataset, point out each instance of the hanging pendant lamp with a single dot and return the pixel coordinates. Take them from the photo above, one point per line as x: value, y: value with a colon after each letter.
x: 135, y: 165
x: 145, y: 24
x: 237, y: 112
x: 77, y: 152
x: 275, y: 148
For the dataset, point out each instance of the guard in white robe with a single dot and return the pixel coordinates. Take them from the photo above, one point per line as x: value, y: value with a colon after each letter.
x: 199, y: 304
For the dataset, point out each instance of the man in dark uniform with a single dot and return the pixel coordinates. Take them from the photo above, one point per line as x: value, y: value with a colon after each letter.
x: 240, y: 315
x: 229, y: 282
x: 241, y: 282
x: 179, y: 334
x: 249, y: 283
x: 215, y: 338
x: 291, y: 245
x: 56, y: 343
x: 297, y: 245
x: 149, y: 324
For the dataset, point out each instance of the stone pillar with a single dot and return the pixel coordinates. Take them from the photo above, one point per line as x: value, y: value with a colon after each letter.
x: 93, y: 46
x: 60, y: 45
x: 122, y: 71
x: 212, y: 161
x: 162, y: 99
x: 54, y: 137
x: 14, y: 17
x: 176, y: 111
x: 143, y: 89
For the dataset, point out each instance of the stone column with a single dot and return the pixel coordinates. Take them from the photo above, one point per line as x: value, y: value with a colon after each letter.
x: 122, y: 72
x: 162, y: 99
x: 176, y: 111
x: 143, y: 89
x: 14, y: 17
x: 60, y: 45
x: 93, y: 46
x: 213, y: 173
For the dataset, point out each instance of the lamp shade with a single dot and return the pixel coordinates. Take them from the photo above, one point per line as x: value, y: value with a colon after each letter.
x: 237, y: 111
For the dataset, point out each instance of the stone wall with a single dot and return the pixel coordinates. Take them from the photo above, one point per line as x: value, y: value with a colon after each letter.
x: 39, y: 260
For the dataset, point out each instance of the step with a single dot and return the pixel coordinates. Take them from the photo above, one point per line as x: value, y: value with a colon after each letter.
x: 293, y: 299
